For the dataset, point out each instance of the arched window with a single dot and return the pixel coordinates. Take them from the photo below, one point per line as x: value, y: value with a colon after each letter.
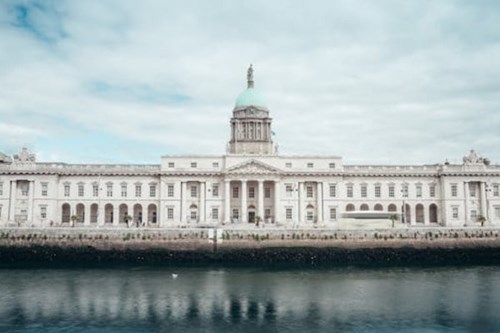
x: 433, y: 215
x: 379, y: 207
x: 419, y: 213
x: 364, y: 207
x: 349, y: 207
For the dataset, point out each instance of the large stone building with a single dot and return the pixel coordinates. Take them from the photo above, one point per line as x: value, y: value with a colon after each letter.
x: 251, y: 183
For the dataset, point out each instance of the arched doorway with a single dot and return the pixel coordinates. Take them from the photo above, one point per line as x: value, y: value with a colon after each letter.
x: 419, y: 213
x: 108, y: 213
x: 310, y: 213
x: 433, y: 215
x: 93, y: 213
x: 123, y: 213
x: 66, y: 213
x: 349, y: 207
x: 379, y: 207
x: 407, y: 214
x: 152, y: 215
x: 251, y: 214
x: 80, y: 213
x: 364, y: 207
x: 138, y: 214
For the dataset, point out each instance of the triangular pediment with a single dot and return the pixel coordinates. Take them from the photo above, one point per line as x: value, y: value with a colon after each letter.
x: 253, y: 167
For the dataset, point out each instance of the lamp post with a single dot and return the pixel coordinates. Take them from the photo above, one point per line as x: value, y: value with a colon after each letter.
x: 487, y: 190
x: 404, y: 192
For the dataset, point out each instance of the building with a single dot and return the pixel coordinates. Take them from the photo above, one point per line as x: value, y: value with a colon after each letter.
x: 251, y: 183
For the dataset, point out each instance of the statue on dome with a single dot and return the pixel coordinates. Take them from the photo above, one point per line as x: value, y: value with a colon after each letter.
x: 250, y: 76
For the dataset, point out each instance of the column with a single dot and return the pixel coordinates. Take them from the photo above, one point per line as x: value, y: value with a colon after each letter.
x: 277, y: 208
x: 101, y: 214
x: 116, y: 215
x: 227, y: 201
x: 260, y: 204
x: 466, y: 202
x: 183, y: 209
x: 413, y: 215
x: 12, y: 197
x: 319, y: 202
x: 426, y: 214
x: 31, y: 201
x: 300, y: 211
x: 86, y: 215
x: 484, y: 209
x: 244, y: 215
x: 202, y: 201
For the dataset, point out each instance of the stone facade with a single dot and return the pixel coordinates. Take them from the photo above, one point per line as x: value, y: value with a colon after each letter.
x: 251, y: 183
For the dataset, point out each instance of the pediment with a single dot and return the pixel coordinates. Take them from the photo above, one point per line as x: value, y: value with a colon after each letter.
x: 253, y: 167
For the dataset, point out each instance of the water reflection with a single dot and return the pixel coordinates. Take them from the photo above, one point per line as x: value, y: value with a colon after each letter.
x: 214, y: 299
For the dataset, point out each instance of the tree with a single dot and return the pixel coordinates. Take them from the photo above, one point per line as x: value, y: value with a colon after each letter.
x: 481, y: 219
x: 257, y: 220
x: 127, y: 218
x: 74, y: 218
x: 393, y: 218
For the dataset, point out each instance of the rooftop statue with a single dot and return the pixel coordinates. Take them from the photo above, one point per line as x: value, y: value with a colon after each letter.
x: 250, y: 76
x: 24, y: 156
x: 474, y: 158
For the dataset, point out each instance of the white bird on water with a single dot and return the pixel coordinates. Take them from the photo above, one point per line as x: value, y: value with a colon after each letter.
x: 174, y: 276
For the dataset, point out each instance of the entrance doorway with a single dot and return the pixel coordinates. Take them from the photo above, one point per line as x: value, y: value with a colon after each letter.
x: 251, y: 217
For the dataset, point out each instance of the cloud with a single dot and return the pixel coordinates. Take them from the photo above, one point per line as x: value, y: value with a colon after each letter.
x: 377, y: 83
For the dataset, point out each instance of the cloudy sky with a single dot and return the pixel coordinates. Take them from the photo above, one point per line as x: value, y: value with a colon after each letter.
x: 377, y: 82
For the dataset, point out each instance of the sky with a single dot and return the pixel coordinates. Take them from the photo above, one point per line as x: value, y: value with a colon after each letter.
x: 376, y: 82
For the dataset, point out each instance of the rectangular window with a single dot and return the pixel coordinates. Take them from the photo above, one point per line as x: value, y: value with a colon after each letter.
x: 455, y: 212
x: 391, y: 191
x: 171, y: 164
x: 1, y: 189
x: 377, y: 191
x: 473, y: 215
x: 364, y: 191
x: 333, y: 190
x: 194, y: 191
x: 310, y: 215
x: 419, y: 191
x: 236, y: 214
x: 152, y: 191
x: 289, y: 214
x: 454, y: 190
x: 194, y: 165
x: 95, y: 190
x: 309, y: 191
x: 497, y: 212
x: 472, y: 189
x: 349, y: 191
x: 288, y: 165
x: 310, y: 165
x: 124, y: 191
x: 109, y: 190
x: 0, y: 211
x: 332, y: 165
x: 138, y: 191
x: 66, y: 190
x: 170, y: 213
x: 251, y: 192
x: 432, y: 191
x: 43, y: 212
x: 215, y: 190
x: 267, y: 192
x: 404, y: 190
x: 193, y: 215
x: 288, y: 190
x: 81, y: 190
x: 45, y: 189
x: 24, y: 189
x: 333, y: 213
x: 215, y: 213
x: 236, y: 192
x: 215, y: 164
x: 267, y: 213
x: 170, y: 190
x: 495, y: 190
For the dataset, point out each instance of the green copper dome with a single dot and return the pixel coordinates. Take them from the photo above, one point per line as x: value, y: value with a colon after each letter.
x: 250, y: 96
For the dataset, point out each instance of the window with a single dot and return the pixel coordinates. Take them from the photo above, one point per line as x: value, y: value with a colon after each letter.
x: 152, y: 191
x: 309, y: 190
x: 81, y: 190
x: 0, y: 211
x: 215, y: 190
x: 332, y: 165
x: 454, y: 190
x: 171, y: 164
x: 251, y: 192
x: 349, y: 191
x: 215, y: 164
x: 472, y: 189
x: 333, y: 190
x: 109, y: 190
x: 432, y: 190
x: 267, y: 213
x: 288, y: 190
x: 364, y: 191
x: 193, y: 215
x: 95, y: 190
x: 404, y: 190
x: 215, y: 213
x: 333, y: 213
x: 236, y: 192
x: 236, y: 214
x: 454, y: 212
x: 24, y: 189
x: 473, y: 215
x: 43, y: 212
x: 194, y: 191
x: 45, y: 189
x: 288, y: 165
x: 391, y: 191
x: 170, y: 213
x: 497, y: 212
x: 194, y: 165
x: 310, y: 165
x: 170, y: 190
x: 377, y: 191
x: 288, y: 214
x: 124, y: 191
x: 310, y: 215
x: 138, y: 190
x: 419, y: 191
x: 495, y: 190
x: 66, y: 190
x: 267, y: 192
x: 1, y: 188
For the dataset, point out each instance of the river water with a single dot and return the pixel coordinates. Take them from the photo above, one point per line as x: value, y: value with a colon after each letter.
x: 225, y: 299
